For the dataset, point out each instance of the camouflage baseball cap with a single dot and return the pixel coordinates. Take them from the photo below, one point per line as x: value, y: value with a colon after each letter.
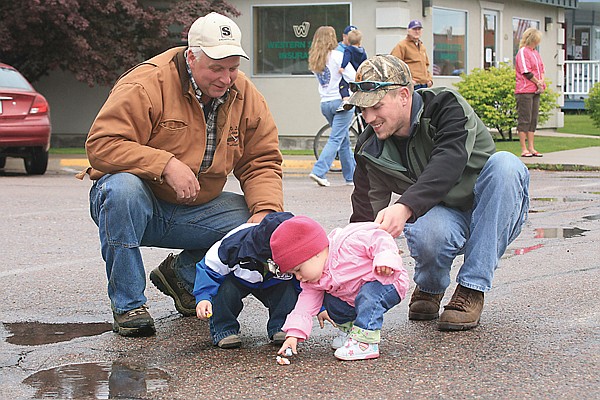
x: 380, y: 68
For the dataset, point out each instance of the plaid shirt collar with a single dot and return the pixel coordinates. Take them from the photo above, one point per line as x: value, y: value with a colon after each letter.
x: 210, y: 115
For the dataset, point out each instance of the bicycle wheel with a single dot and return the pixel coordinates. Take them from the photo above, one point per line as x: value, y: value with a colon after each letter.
x: 321, y: 139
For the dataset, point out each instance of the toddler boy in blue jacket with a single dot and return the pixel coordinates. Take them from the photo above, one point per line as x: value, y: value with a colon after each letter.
x: 235, y: 267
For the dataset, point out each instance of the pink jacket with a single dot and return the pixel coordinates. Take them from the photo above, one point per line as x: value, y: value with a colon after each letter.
x: 354, y: 252
x: 528, y: 60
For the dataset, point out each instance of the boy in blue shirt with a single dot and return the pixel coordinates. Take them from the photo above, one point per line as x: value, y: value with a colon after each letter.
x: 235, y: 267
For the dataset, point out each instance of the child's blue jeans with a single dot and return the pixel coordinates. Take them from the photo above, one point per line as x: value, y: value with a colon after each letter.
x: 372, y: 301
x: 227, y: 305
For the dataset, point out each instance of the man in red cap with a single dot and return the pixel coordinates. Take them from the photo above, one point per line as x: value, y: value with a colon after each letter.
x: 412, y: 51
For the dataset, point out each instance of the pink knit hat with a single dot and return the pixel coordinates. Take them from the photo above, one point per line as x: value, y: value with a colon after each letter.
x: 296, y: 240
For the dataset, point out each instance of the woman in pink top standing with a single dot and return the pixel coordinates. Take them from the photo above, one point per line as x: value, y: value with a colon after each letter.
x: 529, y: 84
x: 354, y: 272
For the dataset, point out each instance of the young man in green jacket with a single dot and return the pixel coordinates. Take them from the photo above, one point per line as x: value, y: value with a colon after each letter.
x: 458, y: 196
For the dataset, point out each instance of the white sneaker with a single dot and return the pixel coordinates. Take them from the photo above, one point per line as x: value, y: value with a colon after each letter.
x: 320, y: 181
x: 355, y: 350
x: 339, y: 340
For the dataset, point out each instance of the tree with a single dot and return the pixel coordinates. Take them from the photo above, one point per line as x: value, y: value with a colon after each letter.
x: 96, y: 40
x: 592, y: 104
x: 491, y: 93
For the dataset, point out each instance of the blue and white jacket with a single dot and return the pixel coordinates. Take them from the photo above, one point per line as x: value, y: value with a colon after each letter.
x: 244, y: 251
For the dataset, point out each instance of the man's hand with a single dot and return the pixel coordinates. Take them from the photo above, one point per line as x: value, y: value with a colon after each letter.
x: 182, y: 180
x: 392, y: 219
x: 204, y: 309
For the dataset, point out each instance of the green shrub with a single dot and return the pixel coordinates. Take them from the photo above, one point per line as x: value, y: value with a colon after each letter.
x: 491, y: 93
x: 592, y: 104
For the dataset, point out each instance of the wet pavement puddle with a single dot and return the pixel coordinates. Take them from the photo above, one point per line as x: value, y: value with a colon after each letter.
x: 104, y: 380
x: 39, y: 333
x: 565, y: 233
x: 550, y: 233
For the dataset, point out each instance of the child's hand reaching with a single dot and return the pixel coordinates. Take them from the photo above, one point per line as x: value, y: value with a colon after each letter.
x: 204, y: 309
x: 341, y: 70
x: 324, y: 316
x: 383, y: 270
x: 290, y: 342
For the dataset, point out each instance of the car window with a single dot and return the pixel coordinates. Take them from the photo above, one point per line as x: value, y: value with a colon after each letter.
x: 9, y: 78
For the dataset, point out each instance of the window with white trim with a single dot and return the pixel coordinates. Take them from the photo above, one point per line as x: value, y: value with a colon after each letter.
x: 283, y: 35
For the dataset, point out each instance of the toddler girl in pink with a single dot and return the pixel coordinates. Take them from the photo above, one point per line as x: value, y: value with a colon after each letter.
x: 355, y: 273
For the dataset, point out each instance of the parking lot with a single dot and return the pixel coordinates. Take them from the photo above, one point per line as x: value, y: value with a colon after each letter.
x: 539, y: 335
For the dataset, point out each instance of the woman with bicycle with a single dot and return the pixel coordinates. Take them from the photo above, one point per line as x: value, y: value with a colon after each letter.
x: 325, y: 62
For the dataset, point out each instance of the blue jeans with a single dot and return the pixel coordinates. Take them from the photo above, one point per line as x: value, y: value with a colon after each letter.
x: 280, y: 299
x: 338, y: 143
x: 482, y: 234
x: 129, y: 216
x: 372, y: 301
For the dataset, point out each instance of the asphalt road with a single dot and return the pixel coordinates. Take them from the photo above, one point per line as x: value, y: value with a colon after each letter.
x: 539, y: 335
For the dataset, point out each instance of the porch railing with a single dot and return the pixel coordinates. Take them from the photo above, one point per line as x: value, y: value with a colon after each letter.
x: 580, y: 76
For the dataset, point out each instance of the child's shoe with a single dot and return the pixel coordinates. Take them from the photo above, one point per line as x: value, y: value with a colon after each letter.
x: 339, y: 340
x: 278, y: 338
x: 230, y: 342
x: 355, y: 350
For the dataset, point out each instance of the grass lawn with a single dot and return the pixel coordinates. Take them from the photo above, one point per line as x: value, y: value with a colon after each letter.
x: 67, y: 150
x: 579, y: 124
x: 545, y: 144
x: 574, y: 123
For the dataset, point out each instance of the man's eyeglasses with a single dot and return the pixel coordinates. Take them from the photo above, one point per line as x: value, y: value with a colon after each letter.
x: 369, y: 86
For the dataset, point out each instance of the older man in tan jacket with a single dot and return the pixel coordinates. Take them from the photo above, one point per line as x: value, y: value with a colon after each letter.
x: 171, y: 131
x: 412, y: 51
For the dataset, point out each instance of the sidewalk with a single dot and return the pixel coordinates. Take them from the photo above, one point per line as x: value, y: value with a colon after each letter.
x: 571, y: 159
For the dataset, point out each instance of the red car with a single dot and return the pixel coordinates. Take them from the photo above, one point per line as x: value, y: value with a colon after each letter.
x: 24, y: 122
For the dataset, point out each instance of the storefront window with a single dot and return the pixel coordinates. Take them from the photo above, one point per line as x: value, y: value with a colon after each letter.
x: 449, y: 41
x: 283, y: 35
x: 519, y: 26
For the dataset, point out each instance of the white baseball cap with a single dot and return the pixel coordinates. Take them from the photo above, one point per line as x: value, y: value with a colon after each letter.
x: 217, y: 35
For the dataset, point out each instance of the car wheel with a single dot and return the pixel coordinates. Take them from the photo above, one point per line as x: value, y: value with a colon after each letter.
x: 2, y: 162
x: 37, y: 162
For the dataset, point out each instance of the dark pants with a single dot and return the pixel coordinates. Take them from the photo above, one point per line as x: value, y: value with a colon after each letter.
x: 280, y: 299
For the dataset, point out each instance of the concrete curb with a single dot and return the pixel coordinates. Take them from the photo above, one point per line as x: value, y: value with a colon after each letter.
x: 288, y: 164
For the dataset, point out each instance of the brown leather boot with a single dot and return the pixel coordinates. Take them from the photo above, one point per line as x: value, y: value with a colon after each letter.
x: 424, y: 306
x: 166, y: 281
x: 463, y: 310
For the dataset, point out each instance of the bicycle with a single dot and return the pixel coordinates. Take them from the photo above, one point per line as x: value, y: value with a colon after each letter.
x: 356, y: 127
